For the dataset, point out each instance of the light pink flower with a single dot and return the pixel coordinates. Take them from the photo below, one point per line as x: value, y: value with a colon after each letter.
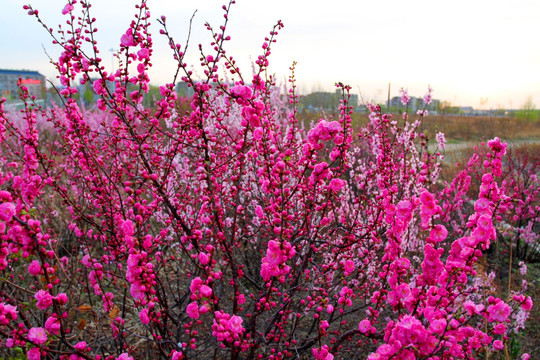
x: 37, y: 335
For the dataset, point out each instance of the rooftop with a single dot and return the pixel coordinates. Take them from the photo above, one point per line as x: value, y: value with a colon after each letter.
x: 20, y: 72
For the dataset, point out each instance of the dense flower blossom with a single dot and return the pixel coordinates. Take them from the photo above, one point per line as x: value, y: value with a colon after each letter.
x: 7, y: 313
x: 322, y: 353
x: 227, y: 328
x: 225, y: 210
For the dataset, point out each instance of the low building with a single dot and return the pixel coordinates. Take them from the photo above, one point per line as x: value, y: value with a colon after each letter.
x: 32, y: 80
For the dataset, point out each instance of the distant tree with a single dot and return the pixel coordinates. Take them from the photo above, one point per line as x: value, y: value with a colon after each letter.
x: 88, y: 95
x: 528, y: 110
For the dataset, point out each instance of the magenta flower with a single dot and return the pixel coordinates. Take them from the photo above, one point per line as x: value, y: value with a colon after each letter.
x: 498, y: 312
x: 34, y: 268
x: 127, y: 39
x: 44, y: 299
x: 364, y: 326
x: 33, y: 354
x: 193, y: 310
x: 67, y: 9
x: 52, y: 325
x: 7, y: 210
x: 143, y: 316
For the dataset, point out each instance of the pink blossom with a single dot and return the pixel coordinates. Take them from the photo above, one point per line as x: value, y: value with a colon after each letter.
x: 227, y: 328
x: 441, y: 140
x: 7, y: 313
x: 34, y: 268
x: 124, y: 356
x: 33, y: 354
x: 204, y: 258
x: 137, y: 290
x: 405, y: 98
x: 527, y: 304
x: 44, y: 299
x: 484, y: 222
x: 364, y: 326
x: 127, y: 39
x: 482, y: 206
x: 438, y: 326
x: 472, y: 308
x: 81, y: 345
x: 404, y: 210
x: 67, y: 9
x: 409, y: 331
x: 499, y: 329
x: 349, y: 266
x: 438, y: 233
x: 259, y: 212
x: 427, y: 96
x: 205, y: 291
x: 243, y: 92
x: 7, y: 210
x: 177, y: 355
x: 52, y: 325
x: 322, y: 353
x: 143, y: 54
x: 498, y: 312
x: 37, y: 335
x: 498, y: 345
x: 143, y: 316
x: 192, y: 310
x: 336, y: 184
x: 497, y: 146
x: 241, y: 299
x: 61, y: 299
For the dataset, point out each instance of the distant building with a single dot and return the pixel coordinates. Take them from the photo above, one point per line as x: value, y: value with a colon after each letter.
x: 33, y: 80
x: 413, y: 105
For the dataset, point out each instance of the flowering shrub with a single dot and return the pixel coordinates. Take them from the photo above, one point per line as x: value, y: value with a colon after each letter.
x: 230, y: 231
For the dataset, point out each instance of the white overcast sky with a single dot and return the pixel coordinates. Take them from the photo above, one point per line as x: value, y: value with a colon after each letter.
x: 466, y: 50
